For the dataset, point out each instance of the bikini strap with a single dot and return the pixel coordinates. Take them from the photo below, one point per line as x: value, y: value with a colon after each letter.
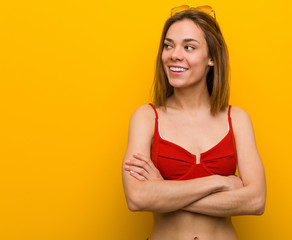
x: 229, y: 119
x: 156, y: 128
x: 229, y: 111
x: 156, y: 114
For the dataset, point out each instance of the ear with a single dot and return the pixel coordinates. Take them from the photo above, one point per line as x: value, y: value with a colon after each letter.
x: 211, y: 63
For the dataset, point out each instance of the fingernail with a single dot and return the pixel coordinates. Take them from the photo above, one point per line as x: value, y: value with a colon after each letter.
x: 131, y: 172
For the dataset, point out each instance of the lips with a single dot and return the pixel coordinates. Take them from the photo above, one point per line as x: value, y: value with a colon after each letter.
x: 177, y: 70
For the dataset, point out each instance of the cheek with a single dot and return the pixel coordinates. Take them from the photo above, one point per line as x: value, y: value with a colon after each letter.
x: 164, y: 57
x: 200, y: 61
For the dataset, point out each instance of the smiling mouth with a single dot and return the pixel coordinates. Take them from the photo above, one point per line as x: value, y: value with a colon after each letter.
x: 178, y: 69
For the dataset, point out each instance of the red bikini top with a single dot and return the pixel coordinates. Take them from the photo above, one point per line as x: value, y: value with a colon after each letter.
x: 176, y: 163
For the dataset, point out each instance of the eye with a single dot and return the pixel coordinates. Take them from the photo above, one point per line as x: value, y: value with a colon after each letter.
x: 166, y: 46
x: 189, y: 48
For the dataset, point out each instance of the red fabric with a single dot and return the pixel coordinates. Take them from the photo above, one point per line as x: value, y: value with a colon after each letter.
x: 176, y: 163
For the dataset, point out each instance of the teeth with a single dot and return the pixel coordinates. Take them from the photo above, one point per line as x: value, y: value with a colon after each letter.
x: 177, y: 69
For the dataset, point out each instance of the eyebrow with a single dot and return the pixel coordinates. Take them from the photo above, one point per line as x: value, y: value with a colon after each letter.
x: 185, y: 40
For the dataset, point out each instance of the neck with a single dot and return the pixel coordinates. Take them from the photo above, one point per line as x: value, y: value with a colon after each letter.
x: 191, y: 98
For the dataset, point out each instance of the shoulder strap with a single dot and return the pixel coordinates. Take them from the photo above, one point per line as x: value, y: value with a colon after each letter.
x: 229, y: 111
x: 229, y: 119
x: 156, y: 129
x: 154, y: 110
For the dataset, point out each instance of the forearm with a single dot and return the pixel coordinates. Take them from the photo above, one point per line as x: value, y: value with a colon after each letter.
x: 167, y: 196
x: 242, y: 201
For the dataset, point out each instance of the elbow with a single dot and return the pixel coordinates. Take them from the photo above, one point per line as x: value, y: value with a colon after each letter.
x: 261, y: 207
x: 259, y: 204
x: 133, y: 206
x: 260, y: 211
x: 134, y: 202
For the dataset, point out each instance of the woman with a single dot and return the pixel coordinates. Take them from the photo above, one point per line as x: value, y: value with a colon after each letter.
x: 192, y: 135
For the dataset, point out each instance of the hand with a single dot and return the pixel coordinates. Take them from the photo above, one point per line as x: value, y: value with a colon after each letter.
x: 233, y: 182
x: 142, y: 168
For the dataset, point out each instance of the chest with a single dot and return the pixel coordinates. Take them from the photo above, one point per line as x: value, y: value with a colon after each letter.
x: 188, y: 151
x: 194, y: 135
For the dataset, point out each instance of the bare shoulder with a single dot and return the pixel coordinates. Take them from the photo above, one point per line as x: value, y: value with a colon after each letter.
x: 238, y: 112
x: 241, y: 120
x: 239, y: 116
x: 144, y: 111
x: 141, y: 130
x: 143, y: 115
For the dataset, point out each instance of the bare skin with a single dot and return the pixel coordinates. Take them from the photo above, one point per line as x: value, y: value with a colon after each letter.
x: 182, y: 224
x: 198, y: 208
x: 187, y: 222
x: 186, y: 226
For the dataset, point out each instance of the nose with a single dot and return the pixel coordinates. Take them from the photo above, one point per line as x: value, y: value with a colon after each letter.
x: 177, y: 54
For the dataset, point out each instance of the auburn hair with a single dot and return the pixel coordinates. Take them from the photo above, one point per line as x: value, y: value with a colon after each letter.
x: 217, y: 77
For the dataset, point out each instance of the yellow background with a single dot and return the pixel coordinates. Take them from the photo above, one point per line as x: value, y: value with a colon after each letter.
x: 72, y: 72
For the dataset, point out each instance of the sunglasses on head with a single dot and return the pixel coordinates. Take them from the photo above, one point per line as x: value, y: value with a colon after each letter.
x: 206, y: 9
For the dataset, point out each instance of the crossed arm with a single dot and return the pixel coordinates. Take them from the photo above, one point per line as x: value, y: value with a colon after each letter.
x: 215, y: 195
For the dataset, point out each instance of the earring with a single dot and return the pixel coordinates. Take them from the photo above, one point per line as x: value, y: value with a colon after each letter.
x: 211, y: 63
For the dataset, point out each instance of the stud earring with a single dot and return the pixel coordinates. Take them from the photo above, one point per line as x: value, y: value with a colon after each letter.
x: 211, y: 63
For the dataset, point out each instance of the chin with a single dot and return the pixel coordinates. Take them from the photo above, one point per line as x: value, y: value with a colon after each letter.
x: 177, y: 83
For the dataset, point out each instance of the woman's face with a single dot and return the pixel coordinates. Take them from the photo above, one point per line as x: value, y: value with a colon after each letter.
x: 185, y: 55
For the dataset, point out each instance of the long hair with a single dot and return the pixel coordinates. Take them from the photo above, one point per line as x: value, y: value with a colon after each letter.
x: 217, y: 77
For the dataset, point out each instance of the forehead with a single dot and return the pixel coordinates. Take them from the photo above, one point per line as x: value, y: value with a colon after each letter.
x: 185, y: 29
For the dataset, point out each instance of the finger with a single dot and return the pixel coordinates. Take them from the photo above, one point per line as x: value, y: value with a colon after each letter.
x: 148, y: 161
x: 149, y: 166
x: 140, y: 156
x: 140, y: 164
x: 152, y: 166
x: 137, y: 176
x: 140, y: 171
